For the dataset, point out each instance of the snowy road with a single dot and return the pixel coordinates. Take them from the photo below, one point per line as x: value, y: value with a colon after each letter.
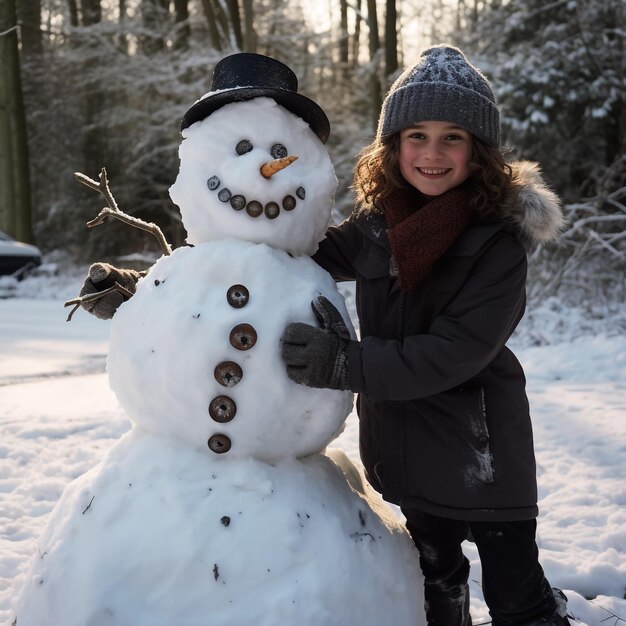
x: 38, y: 343
x: 58, y: 417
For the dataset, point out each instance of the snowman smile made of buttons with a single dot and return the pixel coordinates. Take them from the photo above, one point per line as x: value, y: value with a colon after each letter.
x: 253, y: 207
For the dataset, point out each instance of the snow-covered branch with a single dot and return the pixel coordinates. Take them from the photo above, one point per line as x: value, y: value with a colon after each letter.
x: 113, y: 211
x: 599, y: 219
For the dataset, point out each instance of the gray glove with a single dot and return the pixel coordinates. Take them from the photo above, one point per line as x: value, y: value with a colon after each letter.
x: 101, y: 277
x: 317, y: 357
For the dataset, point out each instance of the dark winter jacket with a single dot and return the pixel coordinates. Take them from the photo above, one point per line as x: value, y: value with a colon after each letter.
x: 444, y: 418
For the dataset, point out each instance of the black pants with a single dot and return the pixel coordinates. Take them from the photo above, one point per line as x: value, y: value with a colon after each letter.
x: 514, y: 586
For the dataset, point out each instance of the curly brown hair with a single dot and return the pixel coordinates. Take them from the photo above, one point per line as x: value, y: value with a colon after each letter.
x: 377, y: 175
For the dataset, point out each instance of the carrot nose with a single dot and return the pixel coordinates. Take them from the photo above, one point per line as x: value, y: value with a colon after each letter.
x: 271, y: 167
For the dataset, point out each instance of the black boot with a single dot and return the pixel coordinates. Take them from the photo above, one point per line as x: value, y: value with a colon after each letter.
x: 447, y: 605
x: 558, y: 617
x: 553, y: 620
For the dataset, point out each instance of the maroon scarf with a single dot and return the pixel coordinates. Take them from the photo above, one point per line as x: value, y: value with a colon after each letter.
x: 421, y: 228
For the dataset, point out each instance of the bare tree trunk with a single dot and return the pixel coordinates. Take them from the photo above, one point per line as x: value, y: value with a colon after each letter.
x: 31, y: 36
x: 400, y: 39
x: 356, y: 38
x: 460, y: 10
x: 235, y: 20
x: 214, y: 33
x: 250, y: 37
x: 222, y: 21
x: 374, y: 47
x: 344, y: 45
x: 92, y: 12
x: 391, y: 38
x: 15, y: 206
x: 181, y: 17
x: 73, y: 9
x: 372, y: 21
x: 122, y: 38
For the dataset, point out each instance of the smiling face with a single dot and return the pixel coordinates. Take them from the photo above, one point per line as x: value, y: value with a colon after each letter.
x: 434, y: 156
x: 252, y: 170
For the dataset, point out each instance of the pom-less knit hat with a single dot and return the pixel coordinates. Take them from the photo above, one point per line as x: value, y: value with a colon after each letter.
x: 442, y: 86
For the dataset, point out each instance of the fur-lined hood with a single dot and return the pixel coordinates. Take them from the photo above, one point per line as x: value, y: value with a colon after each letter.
x: 531, y: 206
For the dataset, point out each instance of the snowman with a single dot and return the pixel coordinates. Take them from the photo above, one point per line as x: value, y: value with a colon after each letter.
x: 219, y: 507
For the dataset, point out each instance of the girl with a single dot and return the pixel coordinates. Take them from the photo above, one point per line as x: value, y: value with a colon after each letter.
x: 437, y: 247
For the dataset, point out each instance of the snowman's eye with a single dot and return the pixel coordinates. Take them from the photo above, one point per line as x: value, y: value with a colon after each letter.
x: 245, y: 145
x: 278, y: 151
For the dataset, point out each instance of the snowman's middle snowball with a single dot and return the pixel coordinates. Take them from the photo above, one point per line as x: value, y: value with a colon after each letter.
x: 186, y: 321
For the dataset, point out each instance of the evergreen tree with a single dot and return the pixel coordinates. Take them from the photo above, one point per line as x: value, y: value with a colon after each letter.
x: 559, y: 70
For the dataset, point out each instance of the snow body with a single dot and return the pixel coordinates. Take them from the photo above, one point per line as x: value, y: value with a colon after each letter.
x: 168, y: 339
x: 242, y: 542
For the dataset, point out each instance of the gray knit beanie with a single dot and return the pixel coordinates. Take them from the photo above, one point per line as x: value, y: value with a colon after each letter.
x: 442, y: 86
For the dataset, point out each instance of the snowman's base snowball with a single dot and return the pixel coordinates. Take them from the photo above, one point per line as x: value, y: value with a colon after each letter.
x: 161, y: 534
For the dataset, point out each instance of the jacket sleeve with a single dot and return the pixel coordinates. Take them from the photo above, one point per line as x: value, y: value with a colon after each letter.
x: 461, y: 341
x: 338, y: 249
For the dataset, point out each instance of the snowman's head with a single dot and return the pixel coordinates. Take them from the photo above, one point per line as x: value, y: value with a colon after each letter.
x: 253, y: 170
x: 252, y: 162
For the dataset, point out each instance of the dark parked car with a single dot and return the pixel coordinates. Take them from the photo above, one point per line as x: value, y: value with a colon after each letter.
x: 17, y: 258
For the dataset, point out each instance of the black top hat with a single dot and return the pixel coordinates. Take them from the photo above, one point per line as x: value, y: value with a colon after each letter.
x: 245, y: 76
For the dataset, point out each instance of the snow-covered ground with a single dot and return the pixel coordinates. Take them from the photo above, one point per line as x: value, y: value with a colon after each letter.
x: 58, y: 418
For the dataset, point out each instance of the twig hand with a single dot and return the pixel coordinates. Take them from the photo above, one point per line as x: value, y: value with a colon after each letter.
x: 113, y: 211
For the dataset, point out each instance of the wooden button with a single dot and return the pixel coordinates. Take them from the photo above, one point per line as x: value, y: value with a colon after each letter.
x: 222, y: 409
x: 219, y: 444
x: 238, y: 296
x: 243, y: 337
x: 228, y: 373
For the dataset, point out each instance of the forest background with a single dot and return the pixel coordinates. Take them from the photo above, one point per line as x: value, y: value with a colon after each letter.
x: 92, y: 83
